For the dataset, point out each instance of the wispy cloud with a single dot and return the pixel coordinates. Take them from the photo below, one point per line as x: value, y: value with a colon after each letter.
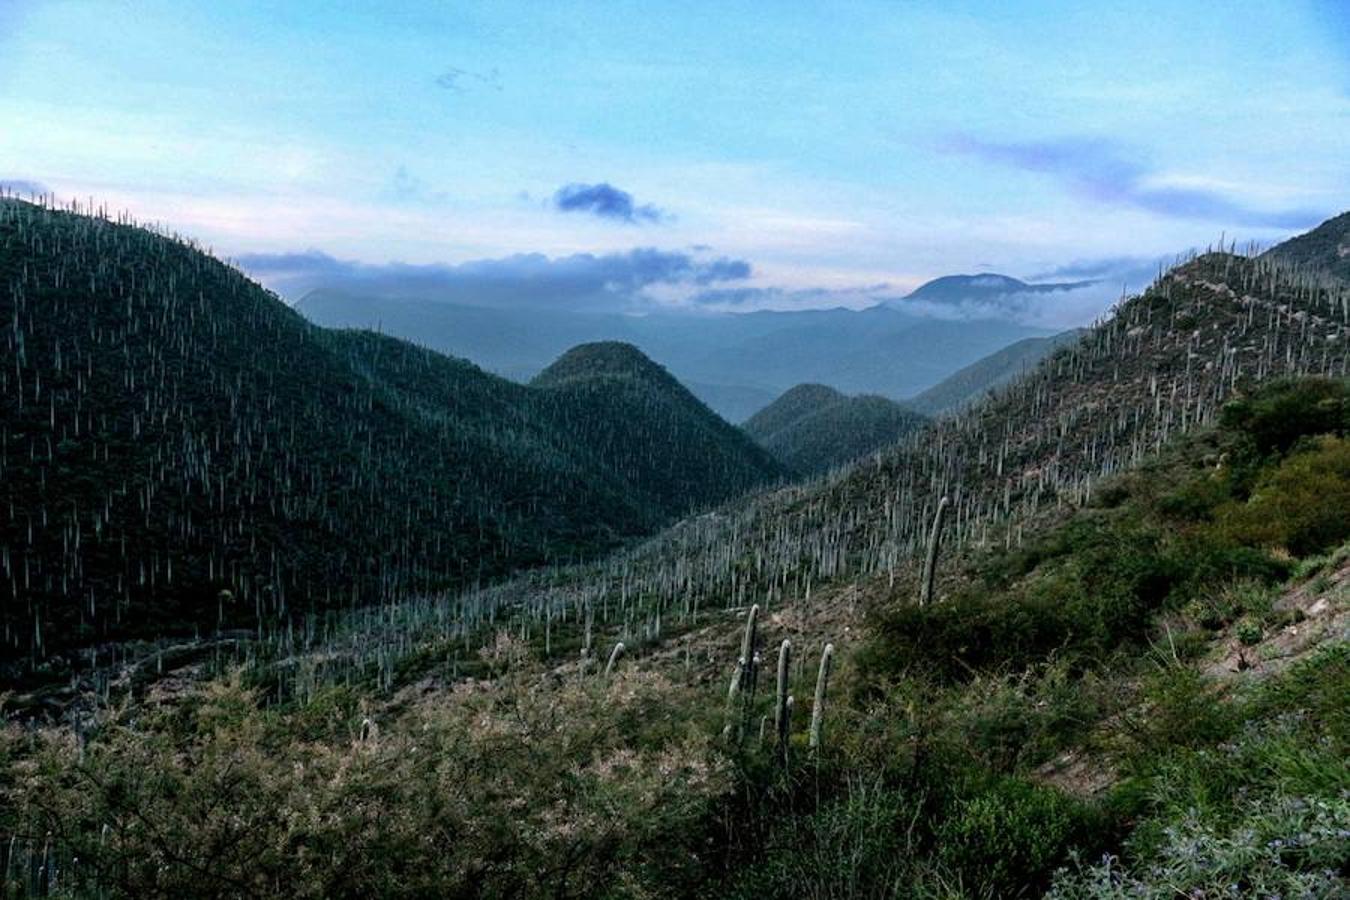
x: 23, y: 187
x: 1105, y: 172
x: 583, y: 281
x: 406, y: 187
x: 607, y: 202
x: 459, y: 81
x: 1070, y: 306
x: 1053, y: 307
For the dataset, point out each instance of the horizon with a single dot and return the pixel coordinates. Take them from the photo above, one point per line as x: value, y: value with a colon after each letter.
x: 579, y: 158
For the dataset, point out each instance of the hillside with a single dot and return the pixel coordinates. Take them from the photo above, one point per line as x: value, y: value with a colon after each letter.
x: 629, y: 417
x: 180, y: 450
x: 979, y: 378
x: 813, y: 428
x: 1326, y: 248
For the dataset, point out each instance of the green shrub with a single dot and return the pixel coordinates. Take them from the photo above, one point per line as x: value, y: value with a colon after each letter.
x: 1285, y: 410
x: 1300, y: 505
x: 1248, y: 630
x: 1010, y: 837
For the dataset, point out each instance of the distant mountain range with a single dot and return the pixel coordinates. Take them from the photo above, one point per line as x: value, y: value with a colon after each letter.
x: 736, y: 363
x: 813, y: 428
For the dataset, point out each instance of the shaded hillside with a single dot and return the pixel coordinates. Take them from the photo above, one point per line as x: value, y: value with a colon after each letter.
x: 629, y: 417
x: 813, y: 428
x: 179, y: 449
x: 734, y: 362
x: 977, y: 379
x: 1325, y: 248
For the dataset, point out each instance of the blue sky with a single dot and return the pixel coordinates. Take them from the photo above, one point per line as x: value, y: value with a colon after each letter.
x: 834, y: 152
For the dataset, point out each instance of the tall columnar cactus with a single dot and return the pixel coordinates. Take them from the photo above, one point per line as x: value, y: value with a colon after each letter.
x: 781, y: 711
x: 742, y: 679
x: 614, y: 658
x: 822, y: 685
x: 930, y: 563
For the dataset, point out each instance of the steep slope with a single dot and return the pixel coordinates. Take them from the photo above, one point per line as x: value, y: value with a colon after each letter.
x: 179, y: 449
x: 1326, y: 248
x: 631, y: 418
x: 813, y: 428
x: 974, y: 381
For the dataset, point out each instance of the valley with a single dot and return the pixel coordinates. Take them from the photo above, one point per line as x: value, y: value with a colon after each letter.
x: 1137, y: 549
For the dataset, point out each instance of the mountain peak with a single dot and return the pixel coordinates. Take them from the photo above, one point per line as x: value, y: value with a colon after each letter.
x: 602, y: 359
x: 950, y: 287
x: 982, y: 286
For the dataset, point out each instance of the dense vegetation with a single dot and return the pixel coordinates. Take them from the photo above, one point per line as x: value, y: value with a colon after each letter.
x: 180, y: 450
x: 635, y: 420
x: 813, y: 428
x: 1111, y: 751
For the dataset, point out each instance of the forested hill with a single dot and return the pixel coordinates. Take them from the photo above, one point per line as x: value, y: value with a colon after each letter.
x: 179, y: 449
x: 813, y: 428
x: 629, y: 417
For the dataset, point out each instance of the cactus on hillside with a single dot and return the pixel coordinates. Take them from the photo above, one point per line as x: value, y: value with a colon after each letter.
x: 930, y: 562
x: 822, y: 685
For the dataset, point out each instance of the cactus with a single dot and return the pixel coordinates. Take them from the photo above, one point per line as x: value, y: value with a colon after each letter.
x: 743, y: 679
x: 930, y: 563
x: 613, y: 658
x: 822, y: 684
x: 781, y: 712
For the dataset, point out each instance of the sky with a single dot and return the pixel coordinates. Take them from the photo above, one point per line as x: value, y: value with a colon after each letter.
x: 690, y: 156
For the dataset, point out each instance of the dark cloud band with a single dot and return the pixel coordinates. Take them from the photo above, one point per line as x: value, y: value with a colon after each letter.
x: 583, y: 281
x: 605, y: 201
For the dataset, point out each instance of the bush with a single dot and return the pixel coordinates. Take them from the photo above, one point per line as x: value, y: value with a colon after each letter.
x: 1283, y: 846
x: 1010, y: 837
x: 1299, y: 506
x: 1285, y: 410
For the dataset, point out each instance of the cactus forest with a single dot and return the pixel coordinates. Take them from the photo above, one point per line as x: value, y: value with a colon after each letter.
x: 393, y: 507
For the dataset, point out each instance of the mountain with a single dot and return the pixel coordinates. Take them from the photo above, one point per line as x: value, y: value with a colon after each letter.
x: 974, y: 381
x: 954, y: 289
x: 1325, y: 248
x: 180, y: 449
x: 813, y: 428
x: 631, y: 418
x: 736, y: 363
